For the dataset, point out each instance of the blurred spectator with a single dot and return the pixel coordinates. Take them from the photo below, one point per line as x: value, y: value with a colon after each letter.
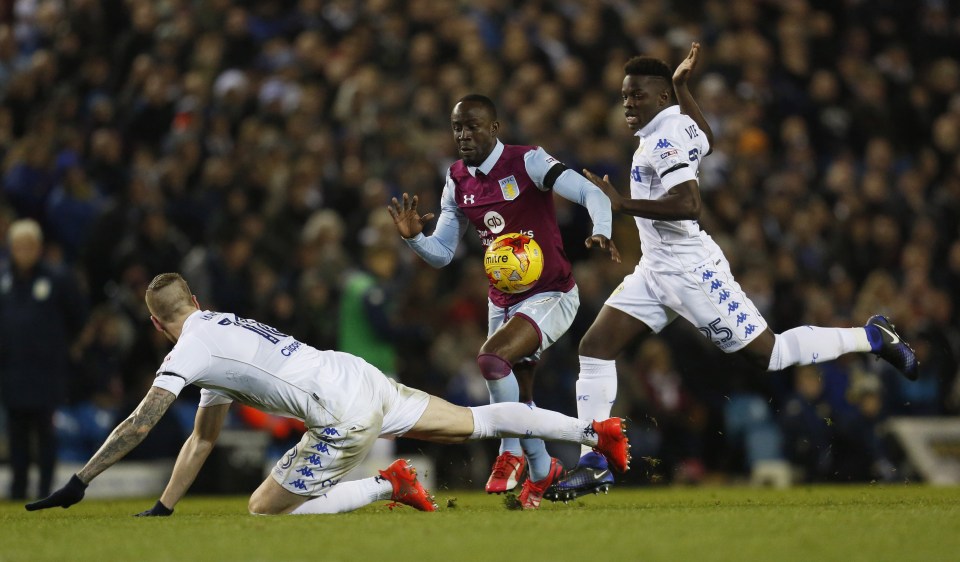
x: 668, y: 420
x: 41, y: 313
x: 807, y: 421
x: 860, y: 445
x: 368, y: 325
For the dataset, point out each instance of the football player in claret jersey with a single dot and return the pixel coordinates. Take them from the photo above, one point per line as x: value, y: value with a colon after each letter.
x: 682, y: 271
x: 498, y: 189
x: 345, y: 402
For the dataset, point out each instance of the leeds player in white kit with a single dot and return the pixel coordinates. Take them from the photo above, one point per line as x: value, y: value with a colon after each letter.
x: 682, y: 271
x: 345, y: 402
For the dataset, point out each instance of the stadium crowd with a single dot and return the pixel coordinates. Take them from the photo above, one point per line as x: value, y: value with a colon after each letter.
x: 254, y: 145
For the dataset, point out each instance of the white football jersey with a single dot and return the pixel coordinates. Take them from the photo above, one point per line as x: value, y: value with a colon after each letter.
x: 233, y: 358
x: 671, y: 146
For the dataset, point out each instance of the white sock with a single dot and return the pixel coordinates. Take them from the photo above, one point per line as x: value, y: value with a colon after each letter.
x: 807, y: 345
x: 521, y: 420
x: 596, y: 391
x: 506, y: 389
x: 347, y: 496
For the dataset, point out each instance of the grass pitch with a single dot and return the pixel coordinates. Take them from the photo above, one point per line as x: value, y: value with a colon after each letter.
x: 876, y: 523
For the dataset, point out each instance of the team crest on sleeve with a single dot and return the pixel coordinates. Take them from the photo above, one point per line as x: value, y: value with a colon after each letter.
x: 509, y: 188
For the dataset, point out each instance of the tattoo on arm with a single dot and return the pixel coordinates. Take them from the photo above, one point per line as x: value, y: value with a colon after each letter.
x: 129, y: 433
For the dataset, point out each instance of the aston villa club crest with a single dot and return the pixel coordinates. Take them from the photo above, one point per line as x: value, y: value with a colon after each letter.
x: 509, y: 188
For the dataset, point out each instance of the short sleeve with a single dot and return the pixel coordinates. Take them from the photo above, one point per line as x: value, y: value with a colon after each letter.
x: 675, y: 160
x: 170, y: 381
x: 185, y: 363
x: 448, y: 197
x: 538, y: 165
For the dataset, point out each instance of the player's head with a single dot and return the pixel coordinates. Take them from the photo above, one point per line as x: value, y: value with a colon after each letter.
x: 647, y: 90
x: 169, y: 300
x: 26, y: 243
x: 475, y: 128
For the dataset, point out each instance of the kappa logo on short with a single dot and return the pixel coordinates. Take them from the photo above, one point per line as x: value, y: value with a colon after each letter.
x: 663, y: 143
x: 510, y: 188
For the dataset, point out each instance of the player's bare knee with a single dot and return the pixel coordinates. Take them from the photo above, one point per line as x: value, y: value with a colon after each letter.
x: 253, y: 506
x: 257, y: 506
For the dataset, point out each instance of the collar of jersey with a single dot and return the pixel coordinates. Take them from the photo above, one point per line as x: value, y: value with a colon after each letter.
x: 488, y: 164
x: 655, y: 122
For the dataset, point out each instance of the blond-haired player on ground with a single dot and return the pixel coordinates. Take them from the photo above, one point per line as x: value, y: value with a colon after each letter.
x: 345, y: 402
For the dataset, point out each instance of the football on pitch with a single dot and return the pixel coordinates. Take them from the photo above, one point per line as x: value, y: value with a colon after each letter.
x: 513, y: 262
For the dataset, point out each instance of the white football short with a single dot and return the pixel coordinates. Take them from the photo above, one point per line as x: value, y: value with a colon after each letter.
x: 325, y: 455
x: 551, y: 313
x: 707, y: 295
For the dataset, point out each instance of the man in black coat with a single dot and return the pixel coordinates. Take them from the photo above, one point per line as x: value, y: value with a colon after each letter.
x: 41, y: 312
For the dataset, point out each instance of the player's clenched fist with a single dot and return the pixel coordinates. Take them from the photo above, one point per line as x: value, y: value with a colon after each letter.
x: 70, y: 494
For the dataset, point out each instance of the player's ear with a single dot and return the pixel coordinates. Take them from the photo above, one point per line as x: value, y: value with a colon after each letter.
x: 494, y: 128
x: 665, y: 98
x: 156, y: 323
x: 196, y: 303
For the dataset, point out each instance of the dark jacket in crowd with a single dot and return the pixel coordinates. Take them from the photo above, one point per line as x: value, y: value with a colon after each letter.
x: 40, y: 315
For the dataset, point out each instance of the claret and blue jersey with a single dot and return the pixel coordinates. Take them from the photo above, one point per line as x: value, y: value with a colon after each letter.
x: 505, y: 199
x: 512, y: 191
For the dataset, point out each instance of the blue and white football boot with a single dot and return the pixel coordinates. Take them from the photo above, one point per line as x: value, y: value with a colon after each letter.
x: 590, y: 476
x: 887, y: 344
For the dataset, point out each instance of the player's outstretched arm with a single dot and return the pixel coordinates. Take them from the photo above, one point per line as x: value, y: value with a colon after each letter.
x: 196, y: 449
x: 406, y: 217
x: 688, y: 105
x: 682, y: 202
x: 121, y: 441
x: 574, y: 187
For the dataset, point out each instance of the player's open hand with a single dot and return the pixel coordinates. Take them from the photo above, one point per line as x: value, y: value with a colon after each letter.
x: 616, y: 200
x: 405, y: 216
x: 70, y: 494
x: 605, y: 243
x: 685, y: 68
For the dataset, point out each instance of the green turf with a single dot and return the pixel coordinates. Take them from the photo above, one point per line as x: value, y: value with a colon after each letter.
x: 876, y: 523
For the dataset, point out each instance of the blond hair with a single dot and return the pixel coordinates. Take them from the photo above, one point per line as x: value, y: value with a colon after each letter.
x: 25, y: 227
x: 167, y: 295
